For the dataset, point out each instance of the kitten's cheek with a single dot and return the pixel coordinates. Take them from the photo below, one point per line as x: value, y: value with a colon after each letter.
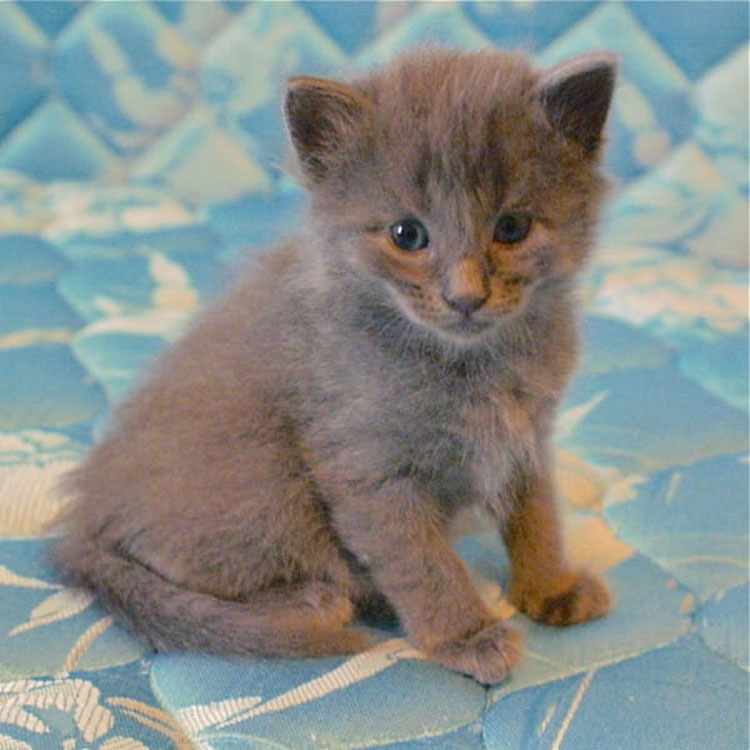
x: 413, y: 306
x: 509, y: 297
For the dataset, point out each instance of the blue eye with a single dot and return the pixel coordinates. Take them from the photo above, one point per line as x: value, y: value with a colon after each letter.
x: 512, y: 227
x: 409, y: 235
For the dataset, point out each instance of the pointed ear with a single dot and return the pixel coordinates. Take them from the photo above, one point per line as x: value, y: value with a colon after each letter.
x: 576, y: 95
x: 321, y: 115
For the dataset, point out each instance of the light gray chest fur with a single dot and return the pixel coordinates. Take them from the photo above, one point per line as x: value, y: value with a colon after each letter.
x: 375, y: 417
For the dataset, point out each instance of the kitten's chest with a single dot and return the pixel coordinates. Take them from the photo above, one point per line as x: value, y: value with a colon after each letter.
x: 500, y: 440
x: 465, y: 435
x: 487, y: 439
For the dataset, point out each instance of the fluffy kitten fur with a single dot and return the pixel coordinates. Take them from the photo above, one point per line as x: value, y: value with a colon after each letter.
x: 296, y: 457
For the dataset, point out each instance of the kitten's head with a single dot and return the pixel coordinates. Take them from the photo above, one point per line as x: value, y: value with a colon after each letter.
x: 460, y: 183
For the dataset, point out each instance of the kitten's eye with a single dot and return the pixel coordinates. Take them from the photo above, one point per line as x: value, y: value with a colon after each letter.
x: 512, y: 227
x: 409, y: 235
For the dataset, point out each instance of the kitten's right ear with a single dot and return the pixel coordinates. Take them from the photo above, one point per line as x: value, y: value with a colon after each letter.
x: 321, y: 116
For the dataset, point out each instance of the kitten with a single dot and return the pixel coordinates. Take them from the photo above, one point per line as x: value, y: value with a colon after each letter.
x: 294, y: 460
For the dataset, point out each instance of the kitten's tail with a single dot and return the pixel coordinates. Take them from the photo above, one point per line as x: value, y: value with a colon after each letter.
x: 305, y: 621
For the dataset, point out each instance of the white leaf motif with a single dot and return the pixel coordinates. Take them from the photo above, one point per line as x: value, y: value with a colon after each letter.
x: 92, y: 719
x: 12, y: 713
x: 353, y: 670
x: 83, y: 643
x: 154, y: 718
x: 58, y: 606
x: 201, y: 716
x: 10, y: 743
x: 572, y: 417
x: 73, y: 696
x: 121, y: 743
x: 582, y: 688
x: 9, y: 578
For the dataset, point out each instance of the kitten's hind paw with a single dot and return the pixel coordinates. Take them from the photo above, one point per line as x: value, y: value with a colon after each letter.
x: 585, y: 597
x: 332, y: 607
x: 488, y: 656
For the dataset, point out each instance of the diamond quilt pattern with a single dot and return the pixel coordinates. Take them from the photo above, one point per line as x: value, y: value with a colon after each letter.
x: 141, y: 150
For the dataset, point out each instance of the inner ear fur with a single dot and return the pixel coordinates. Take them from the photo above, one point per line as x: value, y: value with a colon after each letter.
x: 322, y: 116
x: 576, y: 95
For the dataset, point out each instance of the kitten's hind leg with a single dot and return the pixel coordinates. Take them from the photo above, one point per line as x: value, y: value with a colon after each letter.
x: 308, y: 618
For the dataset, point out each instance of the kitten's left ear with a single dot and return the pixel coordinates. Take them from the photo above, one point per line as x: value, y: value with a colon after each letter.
x: 576, y: 95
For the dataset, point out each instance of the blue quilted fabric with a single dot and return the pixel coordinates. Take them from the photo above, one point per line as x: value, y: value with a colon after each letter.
x: 140, y: 146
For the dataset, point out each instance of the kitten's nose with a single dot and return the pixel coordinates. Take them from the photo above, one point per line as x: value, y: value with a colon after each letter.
x: 466, y: 289
x: 465, y: 304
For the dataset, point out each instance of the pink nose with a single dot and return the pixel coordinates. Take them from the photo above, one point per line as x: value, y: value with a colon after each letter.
x: 466, y: 304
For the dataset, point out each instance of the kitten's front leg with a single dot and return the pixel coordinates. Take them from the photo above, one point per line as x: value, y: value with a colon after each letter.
x: 543, y: 584
x: 395, y: 532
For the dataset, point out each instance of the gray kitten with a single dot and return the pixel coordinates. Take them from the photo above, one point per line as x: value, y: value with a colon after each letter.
x: 294, y: 460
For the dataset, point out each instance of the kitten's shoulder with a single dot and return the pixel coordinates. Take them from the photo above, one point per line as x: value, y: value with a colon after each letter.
x: 265, y: 290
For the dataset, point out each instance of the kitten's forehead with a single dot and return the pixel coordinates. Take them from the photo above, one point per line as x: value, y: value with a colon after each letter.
x: 445, y: 118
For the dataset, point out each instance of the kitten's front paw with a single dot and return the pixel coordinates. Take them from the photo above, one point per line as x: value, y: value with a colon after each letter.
x: 488, y: 656
x: 582, y: 597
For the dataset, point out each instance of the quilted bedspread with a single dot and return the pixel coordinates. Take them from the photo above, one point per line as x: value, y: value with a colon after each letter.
x: 139, y: 153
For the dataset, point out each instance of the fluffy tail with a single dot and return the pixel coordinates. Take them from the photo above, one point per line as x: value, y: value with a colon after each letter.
x: 306, y: 620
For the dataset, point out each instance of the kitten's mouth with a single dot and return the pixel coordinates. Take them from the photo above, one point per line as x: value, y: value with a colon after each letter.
x: 467, y: 326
